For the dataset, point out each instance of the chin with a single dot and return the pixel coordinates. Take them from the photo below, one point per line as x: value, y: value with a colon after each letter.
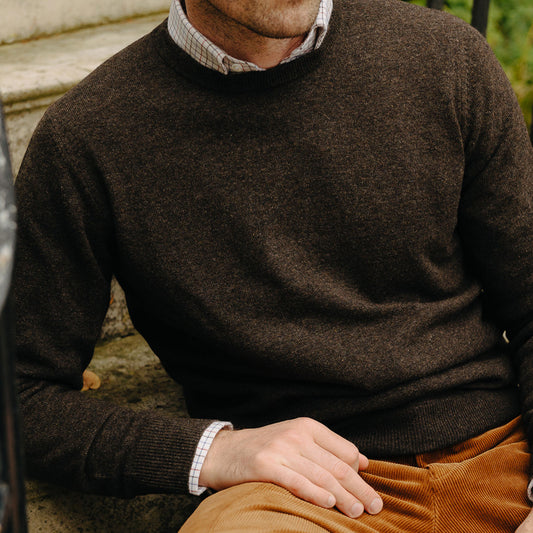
x: 275, y: 19
x: 283, y: 26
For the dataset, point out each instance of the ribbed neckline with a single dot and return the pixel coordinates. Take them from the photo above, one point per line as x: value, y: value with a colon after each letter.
x: 182, y: 63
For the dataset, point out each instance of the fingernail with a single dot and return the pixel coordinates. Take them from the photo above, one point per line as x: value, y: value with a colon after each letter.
x: 357, y: 510
x: 331, y: 501
x: 376, y: 506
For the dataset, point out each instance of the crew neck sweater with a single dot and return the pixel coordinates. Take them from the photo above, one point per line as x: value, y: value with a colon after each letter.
x: 344, y: 237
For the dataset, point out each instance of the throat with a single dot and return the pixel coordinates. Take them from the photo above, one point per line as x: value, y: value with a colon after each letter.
x: 238, y: 39
x: 267, y: 54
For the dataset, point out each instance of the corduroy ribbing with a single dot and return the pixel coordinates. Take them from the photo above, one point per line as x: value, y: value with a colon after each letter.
x: 477, y: 486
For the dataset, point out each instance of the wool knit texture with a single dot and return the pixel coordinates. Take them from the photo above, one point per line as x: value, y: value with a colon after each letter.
x: 344, y: 237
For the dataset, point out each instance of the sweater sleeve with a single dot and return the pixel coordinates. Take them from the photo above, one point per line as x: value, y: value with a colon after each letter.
x: 496, y: 209
x: 64, y: 263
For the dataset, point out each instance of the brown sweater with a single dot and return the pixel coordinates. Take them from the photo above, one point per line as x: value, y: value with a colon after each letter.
x: 343, y: 237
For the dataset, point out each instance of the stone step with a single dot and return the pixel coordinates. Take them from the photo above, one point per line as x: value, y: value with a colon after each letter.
x: 33, y: 74
x: 27, y: 19
x: 131, y: 375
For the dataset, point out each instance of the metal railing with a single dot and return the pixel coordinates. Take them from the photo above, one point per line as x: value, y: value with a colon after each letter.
x: 12, y: 499
x: 480, y: 12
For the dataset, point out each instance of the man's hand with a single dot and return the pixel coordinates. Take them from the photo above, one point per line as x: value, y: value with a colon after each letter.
x: 527, y: 525
x: 301, y: 455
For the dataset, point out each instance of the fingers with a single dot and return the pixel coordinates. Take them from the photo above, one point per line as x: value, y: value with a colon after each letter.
x: 336, y: 455
x: 352, y: 494
x: 302, y: 487
x: 337, y: 445
x: 302, y: 455
x: 363, y: 462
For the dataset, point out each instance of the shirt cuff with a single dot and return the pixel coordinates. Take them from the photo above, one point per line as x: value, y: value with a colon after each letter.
x: 201, y: 451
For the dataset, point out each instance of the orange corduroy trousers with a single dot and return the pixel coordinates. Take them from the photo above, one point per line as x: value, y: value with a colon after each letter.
x: 478, y: 486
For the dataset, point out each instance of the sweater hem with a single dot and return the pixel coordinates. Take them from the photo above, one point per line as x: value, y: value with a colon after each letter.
x: 424, y: 426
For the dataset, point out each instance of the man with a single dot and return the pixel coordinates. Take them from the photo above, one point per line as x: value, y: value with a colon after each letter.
x: 331, y: 210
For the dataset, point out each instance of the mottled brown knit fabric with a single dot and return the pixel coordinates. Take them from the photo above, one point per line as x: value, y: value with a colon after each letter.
x: 344, y: 237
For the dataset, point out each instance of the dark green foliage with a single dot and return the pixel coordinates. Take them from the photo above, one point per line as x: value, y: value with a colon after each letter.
x: 510, y: 34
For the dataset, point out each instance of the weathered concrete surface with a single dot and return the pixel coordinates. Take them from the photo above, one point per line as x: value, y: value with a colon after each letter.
x: 53, y: 510
x: 131, y: 375
x: 26, y: 19
x: 117, y: 322
x: 54, y: 64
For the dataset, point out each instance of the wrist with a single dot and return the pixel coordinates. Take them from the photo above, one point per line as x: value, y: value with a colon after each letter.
x: 204, y: 444
x: 208, y: 473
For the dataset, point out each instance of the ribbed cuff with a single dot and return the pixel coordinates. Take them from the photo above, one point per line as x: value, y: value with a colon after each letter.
x: 161, y: 459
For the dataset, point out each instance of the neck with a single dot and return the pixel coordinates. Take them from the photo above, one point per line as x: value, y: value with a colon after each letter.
x: 236, y: 39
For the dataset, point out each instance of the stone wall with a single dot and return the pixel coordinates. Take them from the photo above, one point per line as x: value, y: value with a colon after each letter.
x: 28, y: 19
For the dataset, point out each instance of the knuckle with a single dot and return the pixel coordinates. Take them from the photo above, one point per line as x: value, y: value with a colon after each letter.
x: 324, y: 479
x: 352, y: 453
x: 305, y: 422
x: 366, y: 494
x: 341, y: 470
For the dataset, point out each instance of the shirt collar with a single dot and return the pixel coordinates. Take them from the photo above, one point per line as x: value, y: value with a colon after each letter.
x: 211, y: 56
